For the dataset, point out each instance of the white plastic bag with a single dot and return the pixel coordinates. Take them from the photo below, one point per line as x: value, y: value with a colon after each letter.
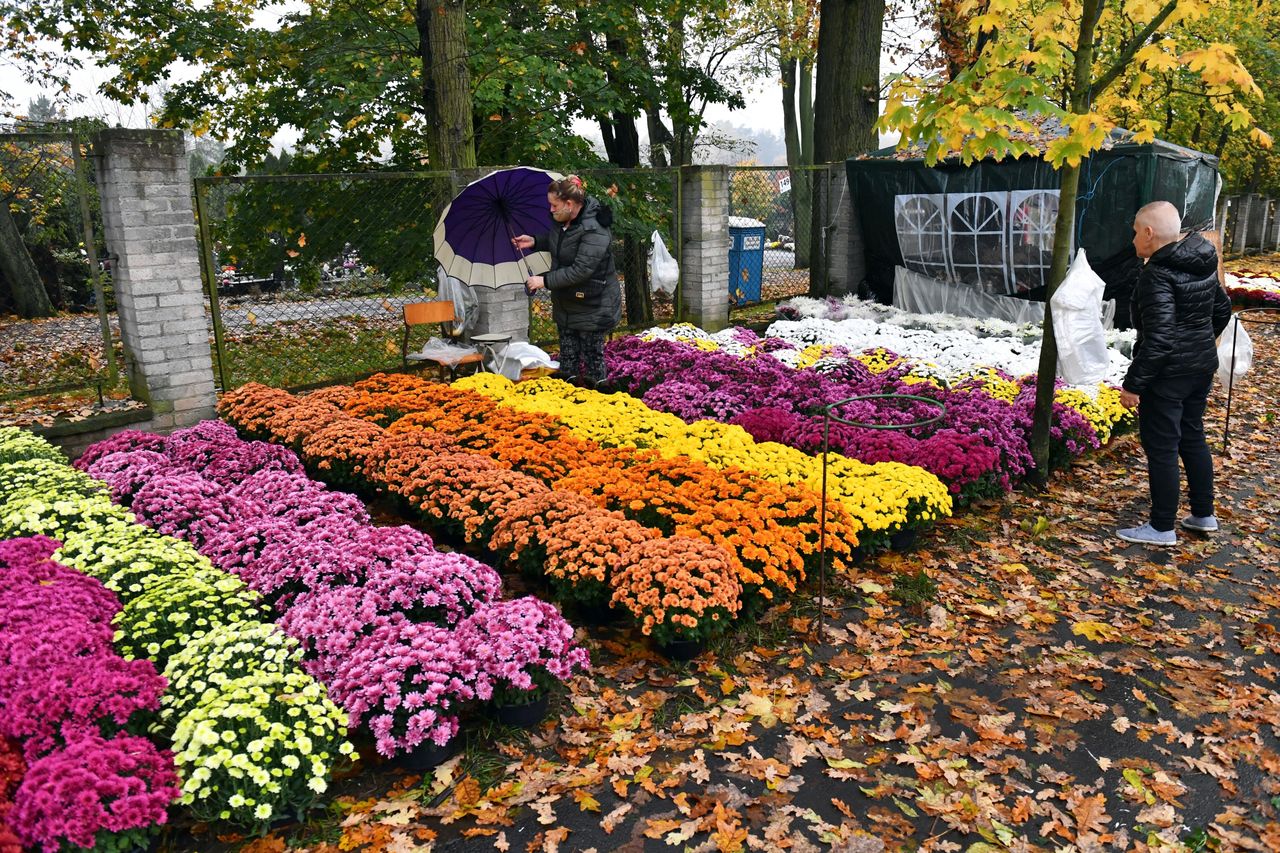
x: 518, y: 356
x: 465, y: 304
x: 1234, y: 335
x: 664, y: 271
x: 1077, y: 325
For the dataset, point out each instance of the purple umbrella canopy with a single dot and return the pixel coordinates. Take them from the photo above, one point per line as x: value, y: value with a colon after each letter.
x: 473, y: 236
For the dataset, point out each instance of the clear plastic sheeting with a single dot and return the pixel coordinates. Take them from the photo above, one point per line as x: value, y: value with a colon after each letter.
x: 466, y: 307
x: 1077, y: 325
x: 923, y: 295
x: 438, y: 349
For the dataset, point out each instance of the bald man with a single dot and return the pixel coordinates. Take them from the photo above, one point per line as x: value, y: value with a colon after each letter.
x: 1178, y: 308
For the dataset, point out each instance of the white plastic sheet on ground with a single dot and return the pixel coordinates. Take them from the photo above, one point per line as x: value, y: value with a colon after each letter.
x: 923, y: 295
x: 1077, y: 325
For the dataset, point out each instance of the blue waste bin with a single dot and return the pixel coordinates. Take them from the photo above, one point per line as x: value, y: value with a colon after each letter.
x: 746, y: 259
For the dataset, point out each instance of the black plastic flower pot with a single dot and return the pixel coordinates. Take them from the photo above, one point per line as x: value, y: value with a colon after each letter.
x: 526, y: 715
x: 903, y: 540
x: 429, y: 755
x: 682, y: 650
x: 595, y: 615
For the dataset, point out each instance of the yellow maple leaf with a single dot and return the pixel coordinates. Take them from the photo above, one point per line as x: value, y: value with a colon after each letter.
x: 1098, y: 632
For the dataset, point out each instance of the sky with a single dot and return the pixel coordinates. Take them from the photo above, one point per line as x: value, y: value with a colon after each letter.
x: 762, y: 114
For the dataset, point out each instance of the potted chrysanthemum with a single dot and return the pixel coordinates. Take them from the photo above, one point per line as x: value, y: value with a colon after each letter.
x: 521, y: 649
x: 682, y: 591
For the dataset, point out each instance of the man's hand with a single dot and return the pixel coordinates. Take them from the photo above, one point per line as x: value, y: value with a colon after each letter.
x: 524, y: 241
x: 1128, y: 399
x: 534, y: 283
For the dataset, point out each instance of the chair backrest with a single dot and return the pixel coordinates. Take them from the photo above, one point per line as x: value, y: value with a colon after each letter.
x: 418, y: 313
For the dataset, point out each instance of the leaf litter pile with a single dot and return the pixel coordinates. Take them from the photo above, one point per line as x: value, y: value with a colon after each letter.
x: 38, y: 356
x: 1021, y: 681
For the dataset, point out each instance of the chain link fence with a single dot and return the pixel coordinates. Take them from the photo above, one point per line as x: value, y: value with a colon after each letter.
x: 307, y: 274
x: 771, y: 216
x: 59, y: 343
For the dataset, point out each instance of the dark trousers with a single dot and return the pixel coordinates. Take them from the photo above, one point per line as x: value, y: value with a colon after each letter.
x: 1171, y: 424
x: 582, y: 354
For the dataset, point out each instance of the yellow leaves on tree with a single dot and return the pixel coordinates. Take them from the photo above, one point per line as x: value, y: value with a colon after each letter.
x: 1024, y: 66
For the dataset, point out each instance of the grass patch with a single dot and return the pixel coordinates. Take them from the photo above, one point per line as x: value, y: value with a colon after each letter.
x: 913, y: 591
x: 293, y: 353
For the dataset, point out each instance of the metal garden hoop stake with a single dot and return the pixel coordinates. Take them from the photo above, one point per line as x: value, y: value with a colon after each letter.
x: 1238, y: 318
x: 828, y: 415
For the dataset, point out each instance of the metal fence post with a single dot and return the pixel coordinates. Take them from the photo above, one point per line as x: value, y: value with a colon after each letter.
x: 207, y: 269
x: 91, y: 248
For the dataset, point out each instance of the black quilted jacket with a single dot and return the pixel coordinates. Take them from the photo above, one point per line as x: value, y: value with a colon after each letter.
x: 585, y: 293
x: 1178, y: 309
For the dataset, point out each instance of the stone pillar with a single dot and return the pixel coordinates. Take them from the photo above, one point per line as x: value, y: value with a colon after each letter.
x: 704, y: 246
x: 846, y: 261
x: 1240, y: 223
x: 149, y: 228
x: 1264, y: 231
x: 504, y: 310
x: 1273, y: 237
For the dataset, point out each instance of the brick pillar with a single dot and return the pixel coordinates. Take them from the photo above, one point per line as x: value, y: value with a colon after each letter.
x: 504, y: 310
x: 846, y: 261
x: 704, y: 246
x: 149, y: 227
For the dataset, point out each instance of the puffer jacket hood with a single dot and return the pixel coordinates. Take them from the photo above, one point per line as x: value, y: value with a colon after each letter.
x: 1192, y: 256
x: 586, y: 295
x: 1178, y: 308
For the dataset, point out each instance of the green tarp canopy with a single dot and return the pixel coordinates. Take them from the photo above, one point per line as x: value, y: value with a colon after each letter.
x: 990, y: 224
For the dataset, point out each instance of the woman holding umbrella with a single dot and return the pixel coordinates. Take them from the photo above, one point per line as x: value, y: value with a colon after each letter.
x: 586, y: 299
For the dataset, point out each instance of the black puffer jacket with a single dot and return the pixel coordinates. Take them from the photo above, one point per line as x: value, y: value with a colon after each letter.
x: 585, y: 293
x: 1178, y: 309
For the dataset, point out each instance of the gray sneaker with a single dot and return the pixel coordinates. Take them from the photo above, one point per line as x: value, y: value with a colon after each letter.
x: 1201, y: 523
x: 1148, y: 535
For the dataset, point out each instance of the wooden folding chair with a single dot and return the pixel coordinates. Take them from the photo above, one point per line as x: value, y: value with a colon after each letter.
x: 425, y: 313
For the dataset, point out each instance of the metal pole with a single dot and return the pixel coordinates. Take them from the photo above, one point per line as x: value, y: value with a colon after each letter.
x: 678, y: 220
x: 1231, y: 384
x: 822, y: 530
x: 91, y: 248
x: 211, y: 283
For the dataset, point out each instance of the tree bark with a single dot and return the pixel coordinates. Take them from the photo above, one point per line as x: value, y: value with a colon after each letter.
x: 802, y: 179
x: 847, y: 101
x: 446, y: 83
x: 27, y: 290
x: 659, y: 139
x: 1064, y: 229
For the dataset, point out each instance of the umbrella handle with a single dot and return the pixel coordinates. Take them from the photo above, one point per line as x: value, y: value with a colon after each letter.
x: 519, y: 252
x: 521, y: 256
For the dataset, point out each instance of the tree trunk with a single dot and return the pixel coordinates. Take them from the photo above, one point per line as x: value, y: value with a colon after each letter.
x: 847, y: 101
x: 659, y: 139
x: 446, y: 83
x: 1064, y: 229
x: 802, y: 179
x: 29, y: 296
